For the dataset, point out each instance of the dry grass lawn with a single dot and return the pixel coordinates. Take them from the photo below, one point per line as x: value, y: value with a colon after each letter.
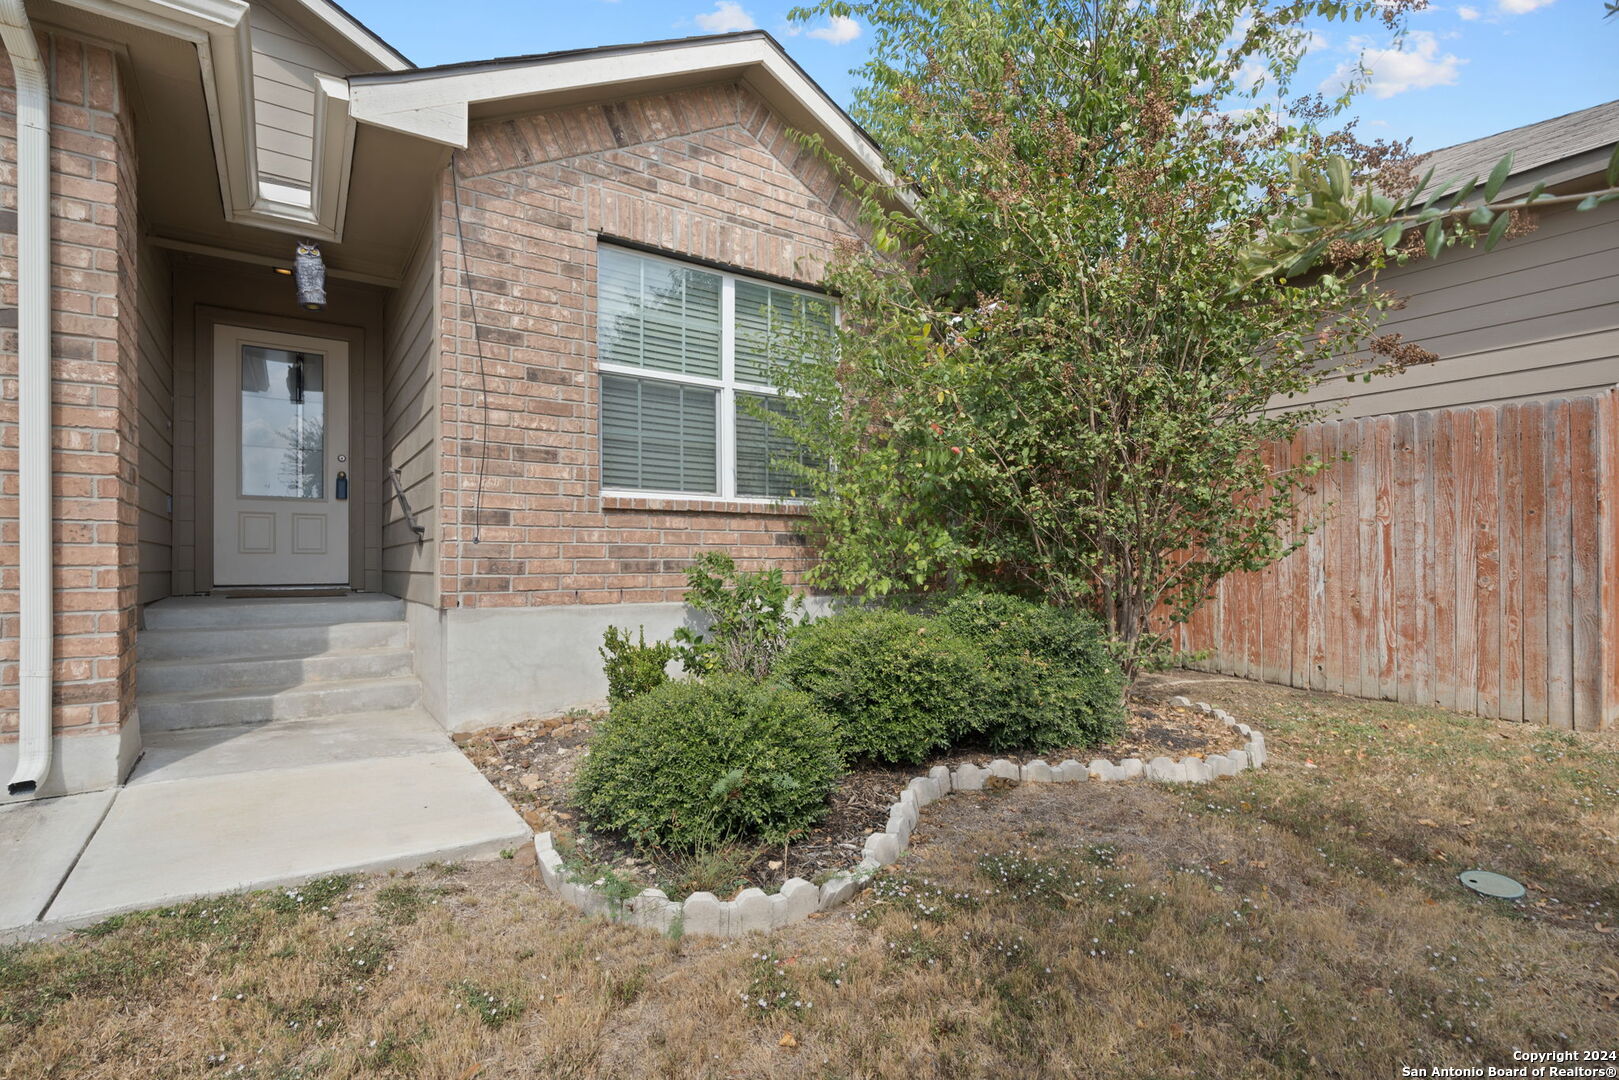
x: 1304, y: 921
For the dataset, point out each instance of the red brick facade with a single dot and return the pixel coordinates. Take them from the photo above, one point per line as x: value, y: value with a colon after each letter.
x: 711, y: 174
x: 93, y: 274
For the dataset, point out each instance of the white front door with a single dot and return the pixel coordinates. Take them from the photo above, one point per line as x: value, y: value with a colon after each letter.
x: 281, y: 459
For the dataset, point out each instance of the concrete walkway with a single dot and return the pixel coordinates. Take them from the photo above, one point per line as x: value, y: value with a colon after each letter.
x: 225, y: 809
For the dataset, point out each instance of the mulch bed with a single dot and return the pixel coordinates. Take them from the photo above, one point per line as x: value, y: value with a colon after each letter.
x: 533, y: 763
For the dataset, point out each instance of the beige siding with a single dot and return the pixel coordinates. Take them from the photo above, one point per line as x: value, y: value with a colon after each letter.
x: 1537, y: 318
x: 154, y: 326
x: 410, y: 426
x: 285, y: 64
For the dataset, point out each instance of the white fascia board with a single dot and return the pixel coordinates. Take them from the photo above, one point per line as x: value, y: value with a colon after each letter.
x: 219, y: 31
x: 222, y: 35
x: 434, y: 105
x: 334, y: 152
x: 345, y: 26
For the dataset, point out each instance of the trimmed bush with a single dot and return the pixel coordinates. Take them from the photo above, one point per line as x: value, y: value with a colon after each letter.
x: 901, y: 686
x: 633, y: 667
x: 749, y: 616
x: 1055, y: 683
x: 692, y: 764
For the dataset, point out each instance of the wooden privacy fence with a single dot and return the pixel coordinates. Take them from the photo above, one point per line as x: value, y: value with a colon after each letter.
x: 1469, y: 559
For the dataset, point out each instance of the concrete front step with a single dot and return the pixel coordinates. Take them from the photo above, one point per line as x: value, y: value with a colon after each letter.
x: 267, y: 641
x: 207, y: 612
x: 270, y: 673
x: 183, y: 711
x: 169, y: 756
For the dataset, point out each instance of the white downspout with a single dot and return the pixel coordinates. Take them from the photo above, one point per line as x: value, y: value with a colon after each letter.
x: 34, y: 583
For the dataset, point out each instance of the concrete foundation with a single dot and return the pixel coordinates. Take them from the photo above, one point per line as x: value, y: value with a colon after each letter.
x: 89, y: 762
x: 484, y: 666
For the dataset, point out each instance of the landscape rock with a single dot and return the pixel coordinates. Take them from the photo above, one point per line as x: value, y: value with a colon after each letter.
x: 652, y: 909
x: 940, y: 775
x: 882, y: 848
x: 752, y: 912
x: 799, y: 898
x: 968, y: 777
x: 900, y: 830
x: 835, y: 890
x: 1164, y: 769
x: 1037, y: 772
x: 1004, y: 769
x: 703, y: 914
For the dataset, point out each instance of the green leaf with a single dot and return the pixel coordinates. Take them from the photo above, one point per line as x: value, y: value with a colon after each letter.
x: 1391, y: 236
x: 1613, y: 168
x: 1338, y: 176
x: 1434, y: 238
x: 1498, y: 230
x: 1437, y: 193
x: 1481, y: 216
x: 1535, y: 192
x: 1422, y: 184
x: 1498, y: 176
x: 1590, y: 202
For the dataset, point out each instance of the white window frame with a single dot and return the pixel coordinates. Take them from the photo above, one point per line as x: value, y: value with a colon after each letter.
x: 726, y: 384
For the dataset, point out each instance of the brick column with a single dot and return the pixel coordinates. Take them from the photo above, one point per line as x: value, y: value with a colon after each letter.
x: 94, y: 239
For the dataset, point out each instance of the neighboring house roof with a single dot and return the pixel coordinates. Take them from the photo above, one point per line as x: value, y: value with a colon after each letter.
x: 1552, y: 151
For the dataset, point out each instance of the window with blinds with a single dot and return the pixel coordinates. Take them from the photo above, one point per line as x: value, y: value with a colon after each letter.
x: 688, y: 359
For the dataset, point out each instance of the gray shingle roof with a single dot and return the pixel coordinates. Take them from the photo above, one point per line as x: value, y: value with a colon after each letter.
x: 1532, y: 145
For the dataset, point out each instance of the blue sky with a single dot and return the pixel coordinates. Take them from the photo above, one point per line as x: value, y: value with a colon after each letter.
x: 1467, y: 70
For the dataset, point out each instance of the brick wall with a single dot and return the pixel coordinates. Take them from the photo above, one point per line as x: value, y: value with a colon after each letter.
x: 92, y: 343
x: 710, y: 173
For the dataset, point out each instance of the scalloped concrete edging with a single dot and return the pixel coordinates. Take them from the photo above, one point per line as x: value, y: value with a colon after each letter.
x: 755, y: 910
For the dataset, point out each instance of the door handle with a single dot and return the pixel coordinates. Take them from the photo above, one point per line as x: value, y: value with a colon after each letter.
x: 342, y: 485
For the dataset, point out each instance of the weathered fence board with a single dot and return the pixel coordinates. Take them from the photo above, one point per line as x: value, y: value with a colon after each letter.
x: 1467, y: 558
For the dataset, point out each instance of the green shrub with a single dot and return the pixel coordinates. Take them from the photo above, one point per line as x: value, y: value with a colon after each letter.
x: 633, y: 667
x: 1056, y: 684
x: 693, y: 764
x: 901, y: 686
x: 749, y: 612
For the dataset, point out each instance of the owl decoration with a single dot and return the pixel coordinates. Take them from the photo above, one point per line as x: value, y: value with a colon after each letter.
x: 309, y: 275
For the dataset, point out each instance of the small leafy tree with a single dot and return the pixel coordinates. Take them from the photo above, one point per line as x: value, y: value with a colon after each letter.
x: 632, y: 666
x: 1058, y: 376
x: 749, y: 614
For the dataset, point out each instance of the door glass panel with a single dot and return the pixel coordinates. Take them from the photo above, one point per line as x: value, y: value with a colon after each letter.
x: 283, y: 423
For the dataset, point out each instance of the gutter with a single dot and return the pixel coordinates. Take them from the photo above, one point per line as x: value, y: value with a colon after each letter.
x: 34, y: 513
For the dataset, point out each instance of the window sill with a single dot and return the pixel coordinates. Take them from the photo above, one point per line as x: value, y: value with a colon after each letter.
x: 676, y: 504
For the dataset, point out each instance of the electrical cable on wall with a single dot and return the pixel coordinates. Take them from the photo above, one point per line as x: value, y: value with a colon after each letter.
x: 483, y: 374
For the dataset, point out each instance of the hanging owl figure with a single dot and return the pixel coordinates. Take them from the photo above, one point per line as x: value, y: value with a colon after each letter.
x: 309, y: 274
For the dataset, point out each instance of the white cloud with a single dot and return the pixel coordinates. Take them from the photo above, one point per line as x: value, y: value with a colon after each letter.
x: 1251, y: 77
x: 726, y: 17
x: 1522, y: 7
x: 1417, y: 66
x: 839, y: 31
x: 1468, y: 14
